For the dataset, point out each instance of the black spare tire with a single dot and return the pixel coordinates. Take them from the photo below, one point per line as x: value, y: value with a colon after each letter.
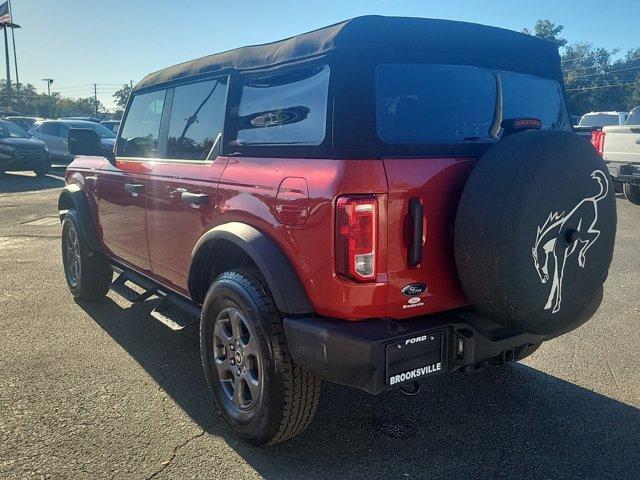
x: 535, y: 231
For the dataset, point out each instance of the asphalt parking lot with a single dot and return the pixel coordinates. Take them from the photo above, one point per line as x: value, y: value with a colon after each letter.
x: 104, y: 391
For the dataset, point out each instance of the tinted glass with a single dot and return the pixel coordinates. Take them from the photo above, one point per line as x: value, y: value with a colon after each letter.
x: 431, y: 103
x: 139, y: 135
x: 418, y: 103
x: 285, y: 109
x: 599, y: 120
x: 534, y: 97
x: 634, y: 118
x: 50, y: 129
x: 197, y: 118
x: 11, y: 130
x: 101, y: 130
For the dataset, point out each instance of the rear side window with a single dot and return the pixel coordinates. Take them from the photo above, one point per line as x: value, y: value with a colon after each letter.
x: 139, y: 134
x: 423, y: 103
x: 52, y: 129
x: 197, y: 119
x: 284, y: 109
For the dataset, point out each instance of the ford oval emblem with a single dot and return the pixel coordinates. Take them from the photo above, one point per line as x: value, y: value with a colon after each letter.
x: 414, y: 289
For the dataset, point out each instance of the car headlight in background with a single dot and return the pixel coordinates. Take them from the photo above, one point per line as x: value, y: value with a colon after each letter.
x: 7, y: 148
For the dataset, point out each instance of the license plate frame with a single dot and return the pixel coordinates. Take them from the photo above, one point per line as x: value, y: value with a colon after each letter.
x: 413, y: 358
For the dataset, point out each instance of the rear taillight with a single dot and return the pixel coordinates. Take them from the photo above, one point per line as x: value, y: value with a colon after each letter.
x: 597, y: 139
x: 356, y: 237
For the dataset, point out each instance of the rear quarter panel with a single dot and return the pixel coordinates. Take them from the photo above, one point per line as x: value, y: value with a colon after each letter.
x: 248, y: 191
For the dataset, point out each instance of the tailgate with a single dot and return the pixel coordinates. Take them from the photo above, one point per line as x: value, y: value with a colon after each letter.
x: 433, y: 185
x: 622, y: 144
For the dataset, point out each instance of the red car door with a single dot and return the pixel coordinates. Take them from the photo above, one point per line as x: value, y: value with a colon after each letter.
x: 181, y: 203
x: 122, y: 186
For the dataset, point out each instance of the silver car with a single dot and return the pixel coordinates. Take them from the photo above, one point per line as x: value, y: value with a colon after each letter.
x: 54, y: 133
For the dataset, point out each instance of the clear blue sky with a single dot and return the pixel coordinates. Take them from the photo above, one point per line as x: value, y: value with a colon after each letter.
x: 79, y: 42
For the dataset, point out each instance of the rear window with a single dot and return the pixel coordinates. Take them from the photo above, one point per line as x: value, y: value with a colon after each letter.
x: 634, y: 118
x: 285, y: 109
x: 598, y: 120
x: 419, y: 104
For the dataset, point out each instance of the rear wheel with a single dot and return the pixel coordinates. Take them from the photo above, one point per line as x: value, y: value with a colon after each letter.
x: 87, y: 272
x: 632, y: 193
x: 261, y: 394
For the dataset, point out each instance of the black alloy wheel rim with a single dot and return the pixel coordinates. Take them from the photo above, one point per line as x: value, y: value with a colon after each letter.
x: 237, y: 359
x: 72, y: 256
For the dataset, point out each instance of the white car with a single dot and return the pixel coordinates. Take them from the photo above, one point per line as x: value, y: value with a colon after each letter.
x: 620, y: 147
x: 603, y: 119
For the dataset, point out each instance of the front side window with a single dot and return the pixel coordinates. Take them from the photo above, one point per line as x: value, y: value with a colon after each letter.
x: 197, y: 119
x: 424, y: 103
x: 52, y: 129
x: 285, y: 109
x: 139, y: 135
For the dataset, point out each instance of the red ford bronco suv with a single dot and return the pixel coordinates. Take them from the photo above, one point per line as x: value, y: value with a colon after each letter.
x: 370, y: 203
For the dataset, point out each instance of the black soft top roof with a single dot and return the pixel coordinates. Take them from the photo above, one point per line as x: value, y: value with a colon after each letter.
x: 384, y: 39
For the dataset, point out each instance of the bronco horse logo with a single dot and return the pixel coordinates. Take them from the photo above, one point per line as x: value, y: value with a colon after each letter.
x: 562, y: 234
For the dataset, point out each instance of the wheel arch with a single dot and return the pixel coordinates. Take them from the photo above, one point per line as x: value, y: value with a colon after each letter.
x: 73, y: 197
x: 236, y: 244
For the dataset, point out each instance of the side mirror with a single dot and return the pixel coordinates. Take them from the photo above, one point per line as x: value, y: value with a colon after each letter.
x: 84, y: 141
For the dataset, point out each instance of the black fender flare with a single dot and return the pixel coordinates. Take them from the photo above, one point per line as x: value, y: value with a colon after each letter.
x: 286, y: 288
x: 73, y: 197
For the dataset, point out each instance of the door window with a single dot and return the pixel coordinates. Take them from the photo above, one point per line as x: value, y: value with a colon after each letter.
x: 139, y: 134
x: 197, y: 120
x: 52, y: 129
x: 285, y: 109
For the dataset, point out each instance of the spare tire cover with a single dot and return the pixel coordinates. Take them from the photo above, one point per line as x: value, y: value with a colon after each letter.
x: 535, y: 231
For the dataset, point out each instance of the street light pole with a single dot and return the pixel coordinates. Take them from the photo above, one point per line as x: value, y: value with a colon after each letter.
x: 49, y: 82
x: 6, y: 57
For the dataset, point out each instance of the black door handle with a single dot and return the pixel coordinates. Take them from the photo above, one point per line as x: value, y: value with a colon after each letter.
x: 415, y: 246
x: 133, y: 189
x: 196, y: 198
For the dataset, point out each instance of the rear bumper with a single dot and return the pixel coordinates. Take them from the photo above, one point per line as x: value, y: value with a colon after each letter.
x: 625, y: 172
x: 355, y: 353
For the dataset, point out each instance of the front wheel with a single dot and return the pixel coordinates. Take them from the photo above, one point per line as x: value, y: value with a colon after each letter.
x: 632, y: 192
x: 261, y: 394
x: 87, y: 272
x: 43, y: 168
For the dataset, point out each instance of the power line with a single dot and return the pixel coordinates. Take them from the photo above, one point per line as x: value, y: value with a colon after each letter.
x: 602, y: 86
x: 593, y: 65
x: 606, y: 73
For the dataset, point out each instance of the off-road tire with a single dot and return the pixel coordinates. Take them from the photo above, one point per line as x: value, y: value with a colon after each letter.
x: 632, y: 193
x: 94, y: 274
x: 290, y: 394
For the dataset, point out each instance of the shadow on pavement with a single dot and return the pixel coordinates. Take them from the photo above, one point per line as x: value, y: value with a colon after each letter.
x: 16, y: 182
x: 513, y: 422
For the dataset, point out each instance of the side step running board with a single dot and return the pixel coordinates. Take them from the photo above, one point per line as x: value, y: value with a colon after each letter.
x: 173, y: 311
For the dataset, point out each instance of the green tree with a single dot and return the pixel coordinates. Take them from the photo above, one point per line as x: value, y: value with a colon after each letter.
x: 122, y: 96
x: 547, y: 30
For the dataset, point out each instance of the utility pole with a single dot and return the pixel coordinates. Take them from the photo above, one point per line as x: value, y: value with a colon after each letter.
x: 49, y: 82
x: 6, y: 57
x: 95, y: 97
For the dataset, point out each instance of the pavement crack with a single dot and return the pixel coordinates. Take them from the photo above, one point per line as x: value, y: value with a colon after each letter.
x: 165, y: 464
